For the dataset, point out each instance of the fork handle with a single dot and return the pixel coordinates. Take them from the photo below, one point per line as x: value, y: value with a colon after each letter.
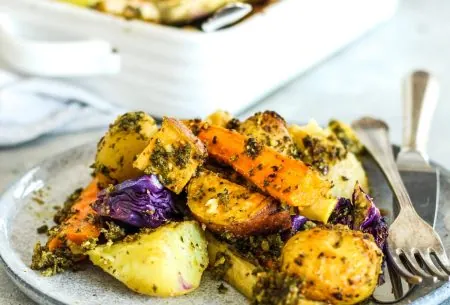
x: 420, y: 99
x: 374, y: 135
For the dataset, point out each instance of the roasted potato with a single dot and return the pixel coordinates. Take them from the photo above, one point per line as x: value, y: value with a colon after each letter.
x: 337, y: 265
x: 224, y: 206
x: 238, y: 272
x: 269, y: 128
x: 219, y: 118
x: 324, y: 151
x: 166, y: 262
x: 174, y: 154
x: 346, y: 135
x: 116, y: 151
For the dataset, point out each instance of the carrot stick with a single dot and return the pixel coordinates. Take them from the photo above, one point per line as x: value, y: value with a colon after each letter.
x: 79, y: 227
x: 284, y: 178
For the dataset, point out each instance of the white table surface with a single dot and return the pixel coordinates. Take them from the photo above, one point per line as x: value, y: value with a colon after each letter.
x: 362, y: 79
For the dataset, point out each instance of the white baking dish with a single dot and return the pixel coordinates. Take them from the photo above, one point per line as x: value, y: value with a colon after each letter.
x: 167, y: 70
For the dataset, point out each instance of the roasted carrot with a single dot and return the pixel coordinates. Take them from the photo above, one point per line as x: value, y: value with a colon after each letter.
x: 79, y: 227
x: 289, y: 180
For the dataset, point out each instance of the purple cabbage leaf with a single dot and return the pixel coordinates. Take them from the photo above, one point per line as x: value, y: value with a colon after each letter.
x: 141, y: 202
x: 367, y: 217
x: 342, y: 213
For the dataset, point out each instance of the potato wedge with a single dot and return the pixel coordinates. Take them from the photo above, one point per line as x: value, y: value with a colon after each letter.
x: 346, y: 135
x: 224, y: 206
x: 166, y: 262
x: 338, y: 265
x: 325, y: 152
x: 174, y: 154
x: 241, y: 274
x: 269, y: 128
x: 289, y: 180
x: 116, y: 151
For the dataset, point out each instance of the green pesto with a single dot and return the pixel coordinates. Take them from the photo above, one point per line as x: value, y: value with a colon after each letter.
x: 52, y: 262
x: 130, y: 121
x: 160, y: 159
x: 260, y: 250
x: 321, y: 153
x: 42, y: 229
x: 66, y: 211
x: 220, y: 266
x: 253, y: 147
x: 113, y: 232
x: 277, y: 288
x: 346, y: 136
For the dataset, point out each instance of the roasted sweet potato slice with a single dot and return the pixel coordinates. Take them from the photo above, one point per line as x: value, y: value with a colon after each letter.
x: 80, y: 226
x: 224, y: 206
x: 174, y: 154
x: 284, y: 178
x: 270, y: 128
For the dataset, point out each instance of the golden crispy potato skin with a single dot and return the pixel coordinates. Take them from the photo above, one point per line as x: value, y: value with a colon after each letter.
x: 116, y: 151
x: 338, y: 265
x: 269, y: 128
x: 166, y: 262
x: 174, y: 154
x: 224, y: 206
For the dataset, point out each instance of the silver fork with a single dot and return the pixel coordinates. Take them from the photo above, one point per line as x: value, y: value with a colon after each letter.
x: 412, y: 243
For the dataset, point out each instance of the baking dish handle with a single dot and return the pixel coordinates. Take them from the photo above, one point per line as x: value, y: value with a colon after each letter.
x: 56, y: 59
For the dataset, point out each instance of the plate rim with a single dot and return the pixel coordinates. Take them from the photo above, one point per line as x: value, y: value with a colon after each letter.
x: 437, y: 295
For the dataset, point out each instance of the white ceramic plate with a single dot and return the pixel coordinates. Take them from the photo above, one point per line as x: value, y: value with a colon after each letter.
x: 60, y: 175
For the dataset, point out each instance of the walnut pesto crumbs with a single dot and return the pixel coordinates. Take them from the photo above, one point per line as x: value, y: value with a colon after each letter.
x: 66, y: 211
x: 42, y: 229
x: 52, y: 262
x: 113, y: 232
x: 252, y: 147
x: 129, y: 121
x: 221, y: 265
x: 277, y: 288
x: 222, y: 289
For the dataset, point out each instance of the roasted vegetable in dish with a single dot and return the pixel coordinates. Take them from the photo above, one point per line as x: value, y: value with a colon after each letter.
x: 166, y: 262
x: 173, y: 154
x: 158, y: 11
x: 280, y: 212
x: 336, y: 265
x: 224, y: 206
x: 117, y: 150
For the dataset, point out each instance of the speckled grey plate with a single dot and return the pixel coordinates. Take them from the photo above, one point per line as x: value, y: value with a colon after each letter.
x: 57, y: 177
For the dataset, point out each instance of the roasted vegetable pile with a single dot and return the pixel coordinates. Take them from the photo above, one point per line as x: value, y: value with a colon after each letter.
x: 173, y: 12
x: 280, y: 212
